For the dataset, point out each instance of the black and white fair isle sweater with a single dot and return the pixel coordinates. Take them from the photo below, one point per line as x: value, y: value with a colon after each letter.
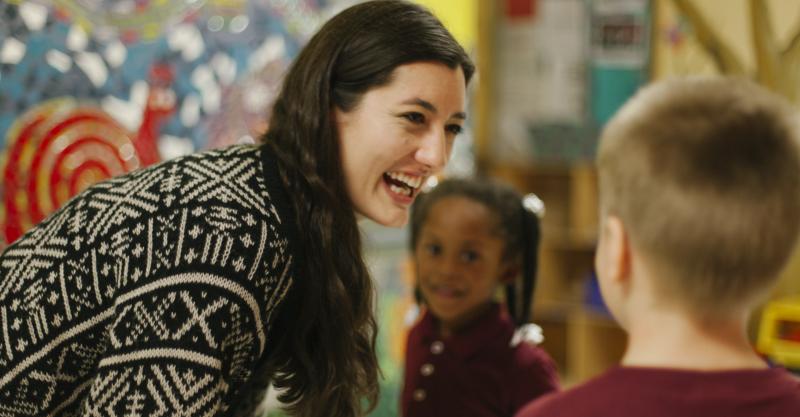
x: 150, y: 294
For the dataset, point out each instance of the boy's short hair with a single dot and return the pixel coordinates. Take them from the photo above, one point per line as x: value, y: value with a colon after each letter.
x: 705, y: 175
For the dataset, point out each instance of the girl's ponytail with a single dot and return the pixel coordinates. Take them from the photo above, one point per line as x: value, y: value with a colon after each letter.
x: 519, y: 293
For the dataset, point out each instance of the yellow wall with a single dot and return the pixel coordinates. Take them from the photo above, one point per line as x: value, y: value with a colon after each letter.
x: 460, y: 17
x: 730, y: 22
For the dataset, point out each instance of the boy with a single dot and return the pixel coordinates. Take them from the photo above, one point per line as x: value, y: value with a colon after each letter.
x: 700, y: 206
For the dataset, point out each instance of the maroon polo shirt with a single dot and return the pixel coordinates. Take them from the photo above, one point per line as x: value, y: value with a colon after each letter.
x: 473, y: 373
x: 652, y: 392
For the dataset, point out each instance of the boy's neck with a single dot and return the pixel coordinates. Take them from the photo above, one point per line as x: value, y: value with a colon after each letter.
x: 668, y: 338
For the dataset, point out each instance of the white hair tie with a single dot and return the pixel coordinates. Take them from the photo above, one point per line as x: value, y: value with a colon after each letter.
x: 534, y: 204
x: 527, y: 333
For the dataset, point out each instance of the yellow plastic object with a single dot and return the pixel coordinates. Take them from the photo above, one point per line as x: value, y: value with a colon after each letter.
x: 779, y: 332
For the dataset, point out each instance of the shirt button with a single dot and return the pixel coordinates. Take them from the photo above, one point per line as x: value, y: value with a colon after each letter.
x: 437, y: 347
x: 426, y: 369
x: 419, y: 395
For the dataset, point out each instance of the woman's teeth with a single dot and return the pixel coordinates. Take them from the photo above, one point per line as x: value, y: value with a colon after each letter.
x: 408, y: 180
x: 400, y: 190
x: 402, y: 184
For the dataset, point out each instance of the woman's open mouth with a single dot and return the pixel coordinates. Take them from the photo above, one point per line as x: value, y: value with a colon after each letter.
x: 403, y: 185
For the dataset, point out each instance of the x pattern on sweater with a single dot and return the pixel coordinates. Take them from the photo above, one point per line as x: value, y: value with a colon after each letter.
x: 147, y: 295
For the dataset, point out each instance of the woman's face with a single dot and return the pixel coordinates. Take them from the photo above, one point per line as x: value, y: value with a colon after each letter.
x: 397, y: 136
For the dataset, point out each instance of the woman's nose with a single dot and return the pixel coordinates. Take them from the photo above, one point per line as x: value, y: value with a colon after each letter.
x: 433, y: 151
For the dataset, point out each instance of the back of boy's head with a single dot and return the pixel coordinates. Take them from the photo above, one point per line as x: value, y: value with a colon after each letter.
x: 513, y: 222
x: 704, y: 174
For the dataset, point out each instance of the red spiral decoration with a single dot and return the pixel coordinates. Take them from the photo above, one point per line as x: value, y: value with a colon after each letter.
x: 61, y: 147
x: 54, y: 151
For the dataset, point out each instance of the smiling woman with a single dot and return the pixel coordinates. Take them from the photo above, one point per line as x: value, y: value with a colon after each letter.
x: 368, y: 111
x: 185, y: 288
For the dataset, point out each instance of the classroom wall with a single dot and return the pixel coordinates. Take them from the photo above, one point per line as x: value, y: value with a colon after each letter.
x: 677, y: 50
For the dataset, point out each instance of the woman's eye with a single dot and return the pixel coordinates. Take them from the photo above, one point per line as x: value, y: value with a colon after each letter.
x: 415, y: 117
x: 454, y: 129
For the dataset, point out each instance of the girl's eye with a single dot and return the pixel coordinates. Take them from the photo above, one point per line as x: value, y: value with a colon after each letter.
x: 432, y: 249
x: 469, y: 256
x: 415, y: 117
x: 454, y: 129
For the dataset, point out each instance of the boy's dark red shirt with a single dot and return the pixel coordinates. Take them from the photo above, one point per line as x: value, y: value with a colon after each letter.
x: 475, y: 372
x: 652, y: 392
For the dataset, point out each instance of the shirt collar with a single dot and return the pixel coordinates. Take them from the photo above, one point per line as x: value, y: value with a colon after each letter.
x: 493, y: 328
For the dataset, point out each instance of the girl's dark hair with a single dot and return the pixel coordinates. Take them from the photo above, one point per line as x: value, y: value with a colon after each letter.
x: 325, y: 359
x: 518, y: 225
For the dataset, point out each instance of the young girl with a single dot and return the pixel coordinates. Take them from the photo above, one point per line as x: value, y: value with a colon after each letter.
x: 469, y: 237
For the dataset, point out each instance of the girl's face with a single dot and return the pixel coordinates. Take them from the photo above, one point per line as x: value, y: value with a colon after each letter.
x: 459, y: 261
x: 397, y: 136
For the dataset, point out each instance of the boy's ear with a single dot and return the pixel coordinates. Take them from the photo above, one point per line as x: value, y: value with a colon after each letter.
x: 616, y: 254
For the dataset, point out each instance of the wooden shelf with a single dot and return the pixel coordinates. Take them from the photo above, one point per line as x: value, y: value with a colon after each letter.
x: 596, y: 343
x: 581, y: 341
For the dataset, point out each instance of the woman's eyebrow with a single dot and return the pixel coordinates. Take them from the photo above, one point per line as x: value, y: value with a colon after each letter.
x: 431, y: 108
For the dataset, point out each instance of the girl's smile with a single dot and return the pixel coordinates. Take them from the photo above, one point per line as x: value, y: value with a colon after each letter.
x: 460, y: 260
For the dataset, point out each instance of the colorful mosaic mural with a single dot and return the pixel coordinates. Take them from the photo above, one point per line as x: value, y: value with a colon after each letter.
x: 90, y: 89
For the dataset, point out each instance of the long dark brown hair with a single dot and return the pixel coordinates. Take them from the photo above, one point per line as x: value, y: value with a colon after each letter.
x: 325, y: 360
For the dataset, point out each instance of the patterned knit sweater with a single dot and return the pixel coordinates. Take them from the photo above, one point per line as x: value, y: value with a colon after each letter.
x: 150, y: 294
